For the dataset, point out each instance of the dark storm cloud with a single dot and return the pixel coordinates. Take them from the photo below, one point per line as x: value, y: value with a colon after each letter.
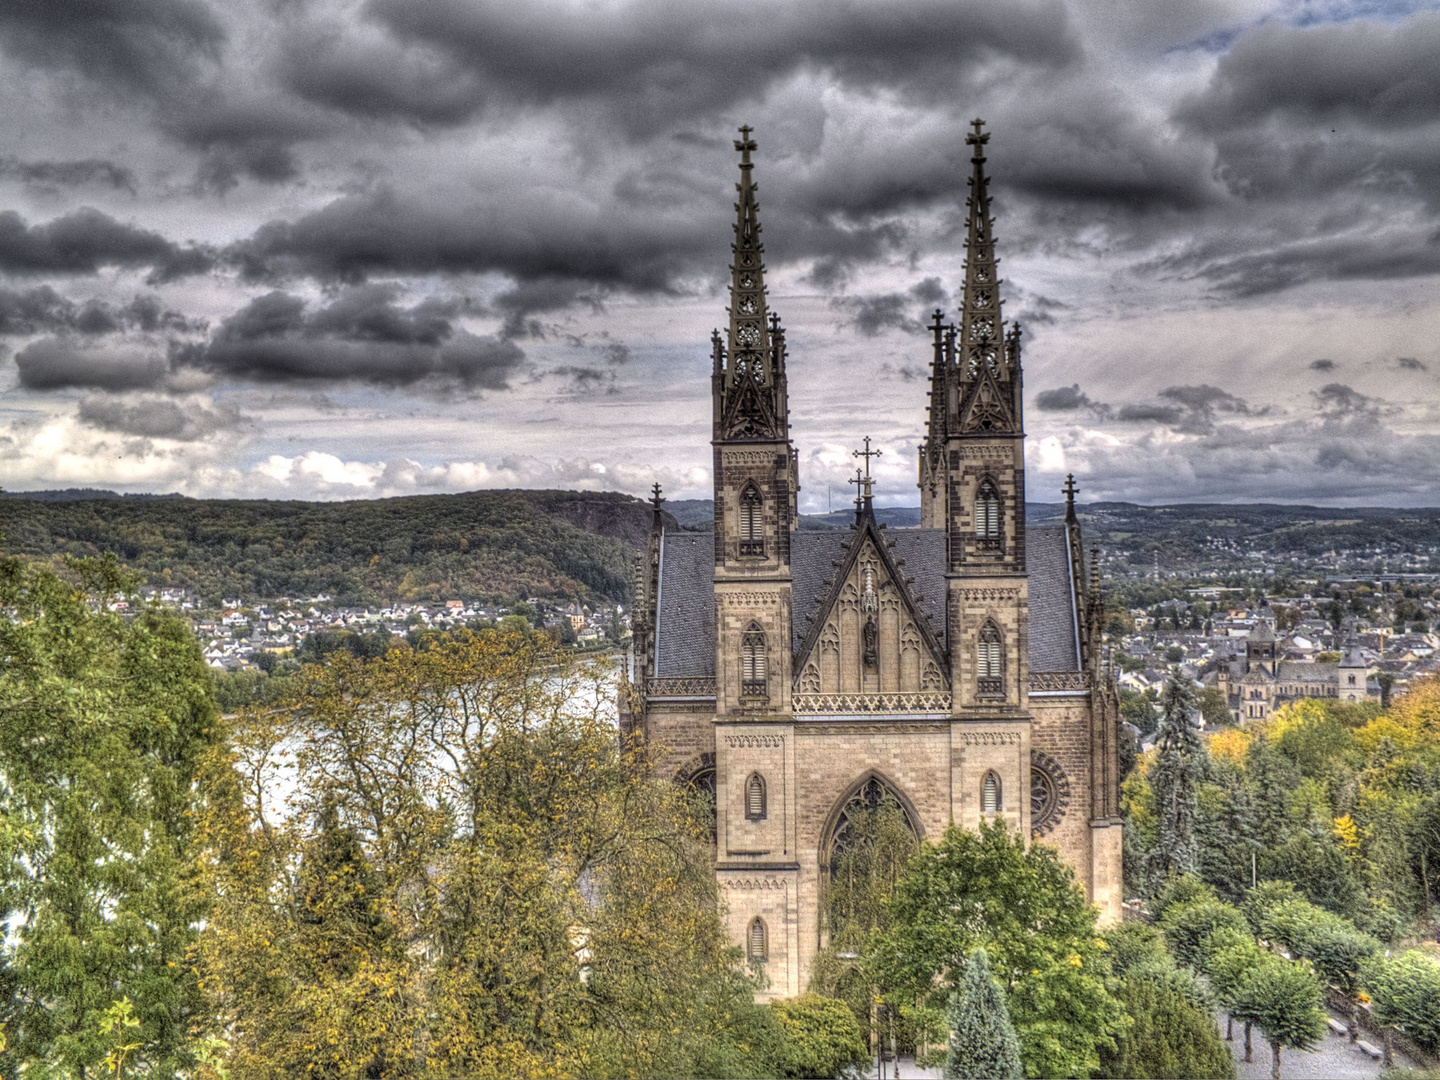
x: 90, y: 172
x: 586, y: 380
x: 85, y: 240
x: 155, y: 417
x: 1265, y: 269
x: 1338, y: 399
x: 1063, y: 399
x: 652, y: 61
x: 539, y: 238
x: 362, y: 335
x: 1379, y: 73
x: 144, y: 46
x: 872, y: 315
x: 1187, y: 410
x: 42, y: 310
x: 55, y: 363
x: 1163, y: 414
x: 1205, y: 398
x: 1322, y: 365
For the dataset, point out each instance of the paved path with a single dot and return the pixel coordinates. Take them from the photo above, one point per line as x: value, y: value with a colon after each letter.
x: 1333, y: 1058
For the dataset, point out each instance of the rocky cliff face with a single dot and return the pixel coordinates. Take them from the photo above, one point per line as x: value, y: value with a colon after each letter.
x: 619, y: 517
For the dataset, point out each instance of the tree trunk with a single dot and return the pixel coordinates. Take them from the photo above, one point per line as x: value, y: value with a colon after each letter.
x: 1274, y: 1060
x: 1354, y: 1020
x: 1229, y: 1028
x: 1389, y: 1058
x: 1248, y: 1057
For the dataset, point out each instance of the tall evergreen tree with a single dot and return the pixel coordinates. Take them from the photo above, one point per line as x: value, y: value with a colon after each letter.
x: 983, y: 1042
x: 1178, y: 771
x: 103, y: 721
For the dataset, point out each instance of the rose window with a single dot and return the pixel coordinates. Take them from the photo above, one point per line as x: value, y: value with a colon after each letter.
x: 1049, y: 793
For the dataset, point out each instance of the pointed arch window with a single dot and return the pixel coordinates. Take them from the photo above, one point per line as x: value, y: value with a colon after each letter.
x: 753, y: 663
x: 990, y: 662
x: 752, y: 522
x: 991, y: 801
x: 755, y: 798
x: 987, y: 515
x: 756, y: 943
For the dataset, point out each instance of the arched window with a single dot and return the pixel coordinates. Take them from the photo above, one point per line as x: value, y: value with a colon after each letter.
x: 755, y: 797
x: 753, y: 663
x: 990, y: 661
x: 752, y: 521
x: 990, y: 801
x: 987, y: 515
x: 755, y: 943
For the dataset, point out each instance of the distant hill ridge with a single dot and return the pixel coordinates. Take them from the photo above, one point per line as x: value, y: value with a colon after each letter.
x: 495, y: 546
x: 503, y: 545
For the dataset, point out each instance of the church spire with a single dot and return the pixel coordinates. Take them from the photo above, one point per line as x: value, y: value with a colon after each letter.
x: 988, y: 373
x: 750, y: 368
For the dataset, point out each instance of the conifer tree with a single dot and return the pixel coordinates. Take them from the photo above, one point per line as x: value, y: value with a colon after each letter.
x: 103, y: 720
x: 1176, y: 777
x: 983, y: 1042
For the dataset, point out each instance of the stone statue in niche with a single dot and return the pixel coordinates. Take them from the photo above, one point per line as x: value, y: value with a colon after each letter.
x: 872, y: 635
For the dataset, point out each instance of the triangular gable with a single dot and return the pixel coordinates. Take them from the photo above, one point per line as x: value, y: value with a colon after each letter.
x: 987, y: 407
x: 868, y: 587
x: 750, y: 414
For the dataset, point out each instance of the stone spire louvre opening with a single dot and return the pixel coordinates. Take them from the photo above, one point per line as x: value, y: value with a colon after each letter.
x: 750, y: 361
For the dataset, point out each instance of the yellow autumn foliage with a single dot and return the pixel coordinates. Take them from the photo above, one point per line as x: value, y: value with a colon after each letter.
x: 1230, y: 744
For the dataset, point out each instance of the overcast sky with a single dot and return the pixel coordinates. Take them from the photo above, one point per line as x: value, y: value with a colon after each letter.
x: 327, y: 249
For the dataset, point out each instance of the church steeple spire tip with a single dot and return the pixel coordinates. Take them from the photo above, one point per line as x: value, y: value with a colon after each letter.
x: 751, y: 367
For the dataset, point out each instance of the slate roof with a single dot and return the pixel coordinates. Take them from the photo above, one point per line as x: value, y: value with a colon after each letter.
x: 685, y: 631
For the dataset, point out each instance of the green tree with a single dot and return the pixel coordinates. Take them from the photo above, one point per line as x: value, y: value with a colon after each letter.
x: 1188, y: 928
x: 983, y: 1042
x: 1230, y: 956
x: 1170, y: 1035
x: 1405, y: 990
x: 1175, y: 778
x: 103, y: 723
x: 875, y: 854
x: 1283, y: 999
x: 1213, y: 706
x: 821, y: 1037
x: 469, y: 877
x: 1021, y: 903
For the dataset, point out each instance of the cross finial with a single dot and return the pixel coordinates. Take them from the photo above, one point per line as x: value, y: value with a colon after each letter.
x: 867, y: 454
x: 858, y: 480
x: 656, y: 498
x: 745, y: 144
x: 1070, y: 490
x: 979, y: 137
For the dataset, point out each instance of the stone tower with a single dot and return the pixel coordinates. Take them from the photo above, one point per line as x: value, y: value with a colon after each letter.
x: 972, y: 475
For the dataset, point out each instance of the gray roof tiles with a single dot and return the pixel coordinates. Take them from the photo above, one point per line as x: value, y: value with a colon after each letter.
x: 685, y: 634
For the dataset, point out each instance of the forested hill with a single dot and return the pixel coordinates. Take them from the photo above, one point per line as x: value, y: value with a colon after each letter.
x: 483, y: 545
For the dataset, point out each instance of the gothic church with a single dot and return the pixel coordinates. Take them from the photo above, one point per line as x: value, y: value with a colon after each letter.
x: 801, y: 675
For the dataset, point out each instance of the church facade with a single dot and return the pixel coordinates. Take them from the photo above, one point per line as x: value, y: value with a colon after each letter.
x: 803, y: 675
